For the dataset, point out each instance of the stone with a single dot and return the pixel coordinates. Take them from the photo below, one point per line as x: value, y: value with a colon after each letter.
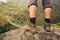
x: 22, y: 34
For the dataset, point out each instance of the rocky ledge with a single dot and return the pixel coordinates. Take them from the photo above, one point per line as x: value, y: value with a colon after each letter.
x: 22, y: 34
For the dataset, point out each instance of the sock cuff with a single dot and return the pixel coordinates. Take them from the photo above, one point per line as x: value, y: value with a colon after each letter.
x: 47, y: 20
x: 33, y: 20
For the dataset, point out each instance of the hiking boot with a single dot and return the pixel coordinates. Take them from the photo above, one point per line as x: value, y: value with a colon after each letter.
x: 31, y: 27
x: 47, y: 27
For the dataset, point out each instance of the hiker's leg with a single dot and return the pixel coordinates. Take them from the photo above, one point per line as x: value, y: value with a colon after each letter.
x: 32, y: 14
x: 32, y: 10
x: 47, y: 11
x: 47, y: 8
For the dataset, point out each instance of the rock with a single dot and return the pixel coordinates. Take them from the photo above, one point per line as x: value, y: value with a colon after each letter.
x: 22, y: 34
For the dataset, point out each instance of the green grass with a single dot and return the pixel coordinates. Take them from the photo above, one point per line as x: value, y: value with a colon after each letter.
x: 6, y: 28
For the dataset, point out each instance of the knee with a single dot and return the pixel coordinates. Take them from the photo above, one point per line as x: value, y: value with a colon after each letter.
x: 32, y: 2
x: 46, y: 4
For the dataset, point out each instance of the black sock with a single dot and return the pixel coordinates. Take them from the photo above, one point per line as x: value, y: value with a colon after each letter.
x: 33, y: 20
x: 47, y: 20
